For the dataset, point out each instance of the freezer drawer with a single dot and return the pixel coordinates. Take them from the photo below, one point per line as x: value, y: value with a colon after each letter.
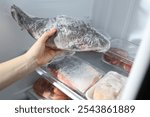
x: 91, y: 57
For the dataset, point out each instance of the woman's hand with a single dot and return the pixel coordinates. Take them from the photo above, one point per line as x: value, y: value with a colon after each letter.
x: 17, y: 68
x: 40, y: 52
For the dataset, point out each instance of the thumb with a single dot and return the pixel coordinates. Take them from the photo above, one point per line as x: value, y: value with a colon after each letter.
x: 47, y: 35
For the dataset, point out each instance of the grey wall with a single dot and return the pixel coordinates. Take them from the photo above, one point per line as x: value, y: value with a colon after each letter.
x: 125, y: 19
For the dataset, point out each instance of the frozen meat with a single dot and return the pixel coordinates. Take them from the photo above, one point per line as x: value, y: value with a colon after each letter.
x: 46, y: 90
x: 118, y: 57
x: 75, y: 73
x: 108, y: 87
x: 72, y: 34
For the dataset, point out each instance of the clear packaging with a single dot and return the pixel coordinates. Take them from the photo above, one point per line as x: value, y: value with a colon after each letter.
x: 46, y: 90
x: 72, y: 34
x: 75, y: 73
x: 121, y: 54
x: 108, y: 87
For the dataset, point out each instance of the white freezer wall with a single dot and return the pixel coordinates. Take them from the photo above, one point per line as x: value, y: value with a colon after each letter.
x: 14, y: 42
x: 123, y: 19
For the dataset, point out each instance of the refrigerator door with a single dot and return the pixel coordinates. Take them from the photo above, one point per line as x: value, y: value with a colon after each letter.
x: 140, y: 67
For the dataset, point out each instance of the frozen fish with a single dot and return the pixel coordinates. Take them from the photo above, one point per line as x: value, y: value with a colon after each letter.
x: 75, y: 73
x: 72, y: 34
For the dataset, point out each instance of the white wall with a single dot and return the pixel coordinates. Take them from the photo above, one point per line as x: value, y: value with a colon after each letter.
x: 13, y: 41
x: 123, y: 19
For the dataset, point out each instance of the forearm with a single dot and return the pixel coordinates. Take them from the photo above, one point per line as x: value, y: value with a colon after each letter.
x: 15, y: 69
x: 37, y: 55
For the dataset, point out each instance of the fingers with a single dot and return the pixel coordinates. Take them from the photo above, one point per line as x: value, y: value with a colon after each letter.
x: 51, y: 51
x: 47, y: 34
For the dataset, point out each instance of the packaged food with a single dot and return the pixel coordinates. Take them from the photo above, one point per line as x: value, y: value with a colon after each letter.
x: 121, y: 54
x: 108, y: 87
x: 46, y: 90
x: 73, y: 34
x: 75, y: 73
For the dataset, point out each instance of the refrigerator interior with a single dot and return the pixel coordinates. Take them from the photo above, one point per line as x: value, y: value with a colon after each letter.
x: 120, y: 19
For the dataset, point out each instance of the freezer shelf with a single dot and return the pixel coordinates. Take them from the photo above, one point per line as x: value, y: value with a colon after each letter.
x: 69, y: 92
x: 94, y: 59
x: 33, y: 96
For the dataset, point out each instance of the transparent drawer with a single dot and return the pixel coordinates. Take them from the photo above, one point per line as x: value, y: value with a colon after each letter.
x: 72, y: 75
x: 74, y: 72
x: 121, y: 54
x: 46, y: 90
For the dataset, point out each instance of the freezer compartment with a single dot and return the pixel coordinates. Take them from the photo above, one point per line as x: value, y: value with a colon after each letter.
x: 121, y: 54
x: 107, y: 88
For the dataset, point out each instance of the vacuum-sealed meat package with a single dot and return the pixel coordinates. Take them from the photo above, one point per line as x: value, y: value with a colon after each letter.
x: 118, y: 57
x: 121, y: 54
x: 107, y: 88
x: 75, y: 73
x: 46, y: 90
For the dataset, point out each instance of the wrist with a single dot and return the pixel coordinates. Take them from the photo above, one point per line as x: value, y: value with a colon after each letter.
x: 31, y: 61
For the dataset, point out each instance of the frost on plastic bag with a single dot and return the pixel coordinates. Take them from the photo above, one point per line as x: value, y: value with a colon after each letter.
x: 108, y: 88
x: 72, y: 34
x: 75, y: 73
